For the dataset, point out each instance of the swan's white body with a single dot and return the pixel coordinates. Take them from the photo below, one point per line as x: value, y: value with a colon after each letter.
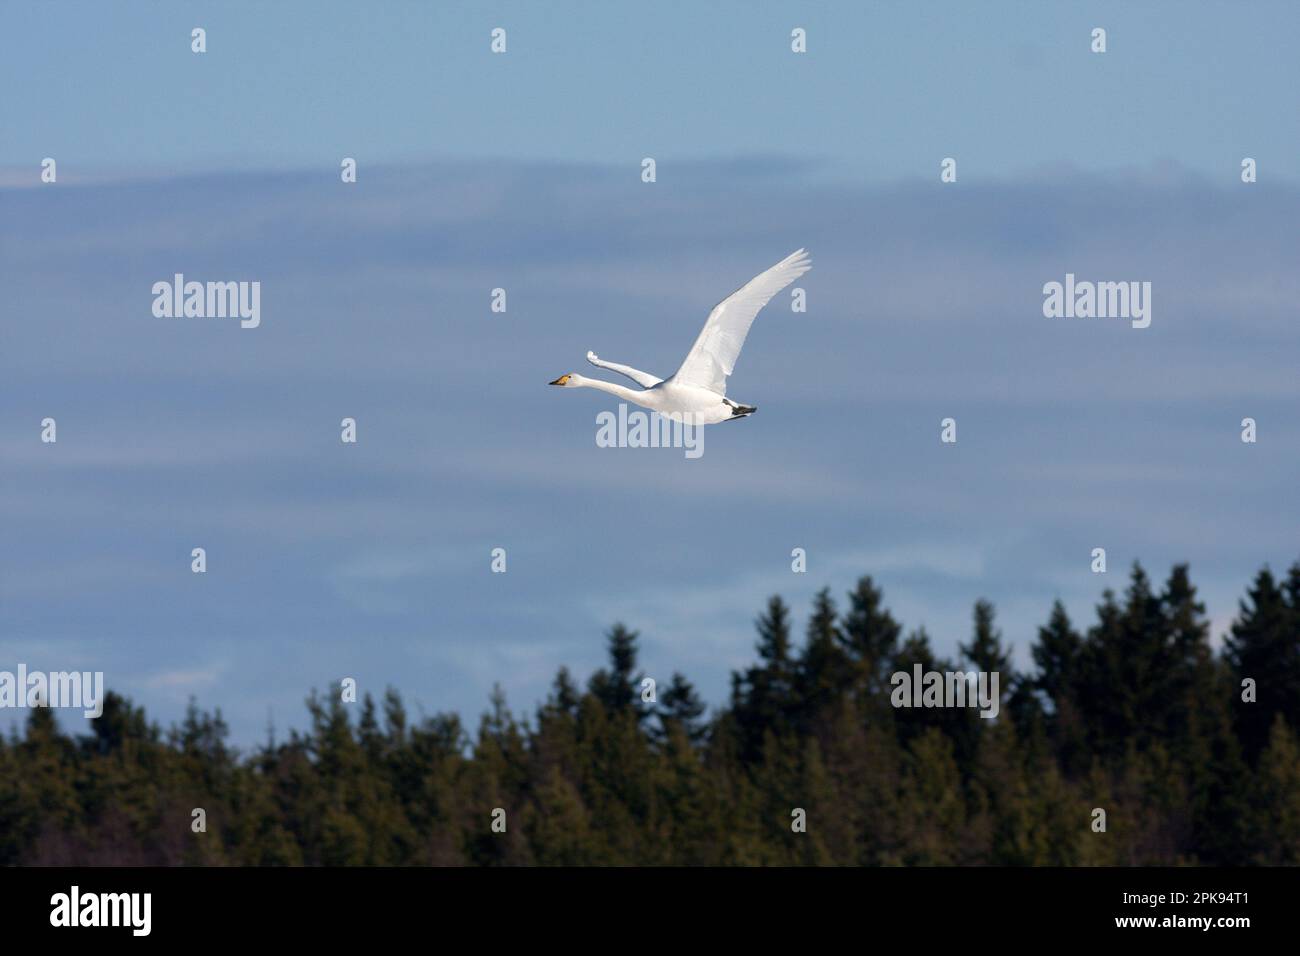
x: 696, y: 392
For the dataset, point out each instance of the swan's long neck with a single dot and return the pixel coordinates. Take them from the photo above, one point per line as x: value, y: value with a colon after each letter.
x: 634, y: 395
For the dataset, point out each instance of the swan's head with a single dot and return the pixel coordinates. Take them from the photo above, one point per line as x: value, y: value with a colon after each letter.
x: 565, y: 381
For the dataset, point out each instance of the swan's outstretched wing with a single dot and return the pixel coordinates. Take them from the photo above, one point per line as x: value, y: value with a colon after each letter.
x: 714, y: 354
x: 644, y: 379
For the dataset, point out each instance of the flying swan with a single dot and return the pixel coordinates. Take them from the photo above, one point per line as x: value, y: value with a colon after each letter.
x: 696, y: 393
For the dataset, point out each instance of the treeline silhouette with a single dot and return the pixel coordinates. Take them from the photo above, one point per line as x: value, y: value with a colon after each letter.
x: 1136, y: 716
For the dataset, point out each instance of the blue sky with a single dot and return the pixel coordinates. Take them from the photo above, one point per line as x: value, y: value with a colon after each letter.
x: 884, y: 90
x: 522, y: 171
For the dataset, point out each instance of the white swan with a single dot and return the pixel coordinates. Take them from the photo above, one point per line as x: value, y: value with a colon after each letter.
x: 696, y: 393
